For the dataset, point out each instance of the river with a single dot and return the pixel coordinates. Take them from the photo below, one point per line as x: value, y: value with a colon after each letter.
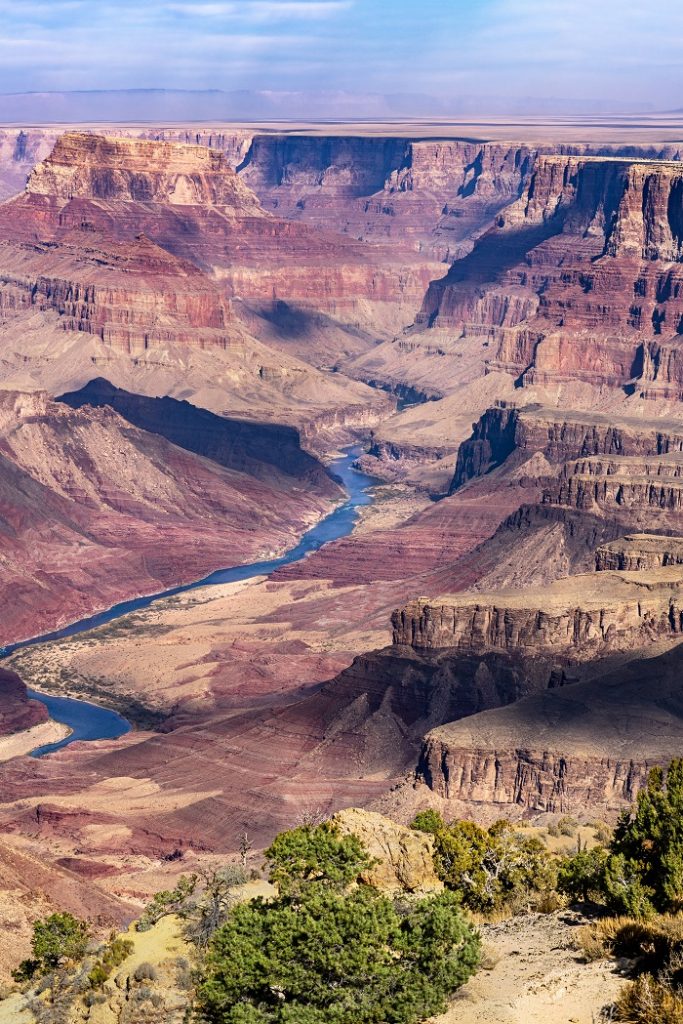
x: 89, y: 721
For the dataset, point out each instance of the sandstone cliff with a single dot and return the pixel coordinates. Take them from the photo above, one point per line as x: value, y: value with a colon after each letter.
x: 404, y: 859
x: 578, y: 277
x: 582, y: 616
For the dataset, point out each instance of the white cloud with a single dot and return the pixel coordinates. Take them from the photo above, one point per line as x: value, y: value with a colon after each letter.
x: 262, y: 9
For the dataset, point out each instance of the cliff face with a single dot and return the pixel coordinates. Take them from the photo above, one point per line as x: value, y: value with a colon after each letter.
x: 20, y: 150
x: 576, y: 280
x: 639, y: 551
x: 17, y: 712
x: 148, y: 242
x: 581, y: 616
x: 590, y: 745
x: 427, y: 196
x: 512, y: 433
x: 97, y: 167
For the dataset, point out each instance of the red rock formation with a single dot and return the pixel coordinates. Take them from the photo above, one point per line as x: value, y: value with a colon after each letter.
x: 425, y: 196
x: 576, y: 281
x: 117, y: 236
x: 92, y: 508
x: 17, y: 712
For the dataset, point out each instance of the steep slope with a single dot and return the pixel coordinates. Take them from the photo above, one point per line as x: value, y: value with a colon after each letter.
x: 580, y: 278
x: 93, y: 508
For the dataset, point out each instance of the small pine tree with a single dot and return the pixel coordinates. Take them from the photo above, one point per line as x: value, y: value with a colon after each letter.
x: 325, y: 951
x: 583, y: 874
x: 487, y: 867
x: 646, y: 869
x: 315, y: 853
x: 57, y: 939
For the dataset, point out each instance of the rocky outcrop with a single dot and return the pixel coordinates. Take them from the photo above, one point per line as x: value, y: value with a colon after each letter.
x: 511, y: 433
x: 265, y: 451
x: 579, y: 276
x: 639, y: 551
x: 147, y: 243
x: 83, y: 166
x: 581, y: 616
x: 403, y: 859
x: 587, y: 746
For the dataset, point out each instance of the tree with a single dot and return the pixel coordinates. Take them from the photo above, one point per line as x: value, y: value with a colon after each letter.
x: 583, y: 874
x: 326, y: 951
x: 57, y: 939
x: 218, y: 894
x: 337, y: 958
x: 645, y: 871
x: 489, y: 867
x: 245, y: 847
x: 168, y: 901
x: 315, y: 853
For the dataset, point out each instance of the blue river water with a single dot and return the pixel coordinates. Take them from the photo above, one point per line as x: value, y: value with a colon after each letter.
x: 89, y: 721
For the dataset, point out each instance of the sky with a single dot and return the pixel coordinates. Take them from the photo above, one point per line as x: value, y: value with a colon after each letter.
x: 626, y: 52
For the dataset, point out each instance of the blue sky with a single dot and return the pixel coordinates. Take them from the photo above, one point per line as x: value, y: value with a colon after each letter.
x: 626, y: 51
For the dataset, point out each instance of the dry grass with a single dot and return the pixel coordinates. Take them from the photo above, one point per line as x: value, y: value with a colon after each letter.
x: 648, y: 1001
x: 653, y: 942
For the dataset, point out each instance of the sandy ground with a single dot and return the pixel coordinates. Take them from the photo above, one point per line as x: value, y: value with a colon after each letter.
x: 535, y: 976
x: 23, y: 742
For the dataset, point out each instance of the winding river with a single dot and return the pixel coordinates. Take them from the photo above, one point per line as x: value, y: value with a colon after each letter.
x: 89, y: 721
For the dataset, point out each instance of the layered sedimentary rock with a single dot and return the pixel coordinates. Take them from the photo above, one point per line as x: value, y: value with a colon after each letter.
x: 139, y: 251
x: 639, y: 551
x: 587, y: 746
x: 581, y: 277
x: 92, y: 507
x: 98, y: 167
x: 429, y: 196
x: 584, y: 615
x: 20, y: 150
x: 512, y: 433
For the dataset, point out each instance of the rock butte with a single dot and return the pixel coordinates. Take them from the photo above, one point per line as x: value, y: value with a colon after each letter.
x: 190, y: 324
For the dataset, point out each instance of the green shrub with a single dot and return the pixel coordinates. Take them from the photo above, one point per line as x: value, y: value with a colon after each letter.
x: 97, y: 975
x: 583, y: 874
x: 602, y: 833
x: 112, y: 955
x: 328, y: 957
x: 58, y: 938
x: 490, y: 868
x: 315, y: 853
x: 329, y: 952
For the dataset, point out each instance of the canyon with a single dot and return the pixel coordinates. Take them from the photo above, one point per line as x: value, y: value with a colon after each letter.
x: 193, y: 322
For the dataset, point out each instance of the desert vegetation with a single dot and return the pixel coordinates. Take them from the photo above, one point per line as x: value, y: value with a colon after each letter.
x: 323, y: 944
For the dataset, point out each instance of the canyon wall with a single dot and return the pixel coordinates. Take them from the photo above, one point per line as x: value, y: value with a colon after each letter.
x: 580, y: 278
